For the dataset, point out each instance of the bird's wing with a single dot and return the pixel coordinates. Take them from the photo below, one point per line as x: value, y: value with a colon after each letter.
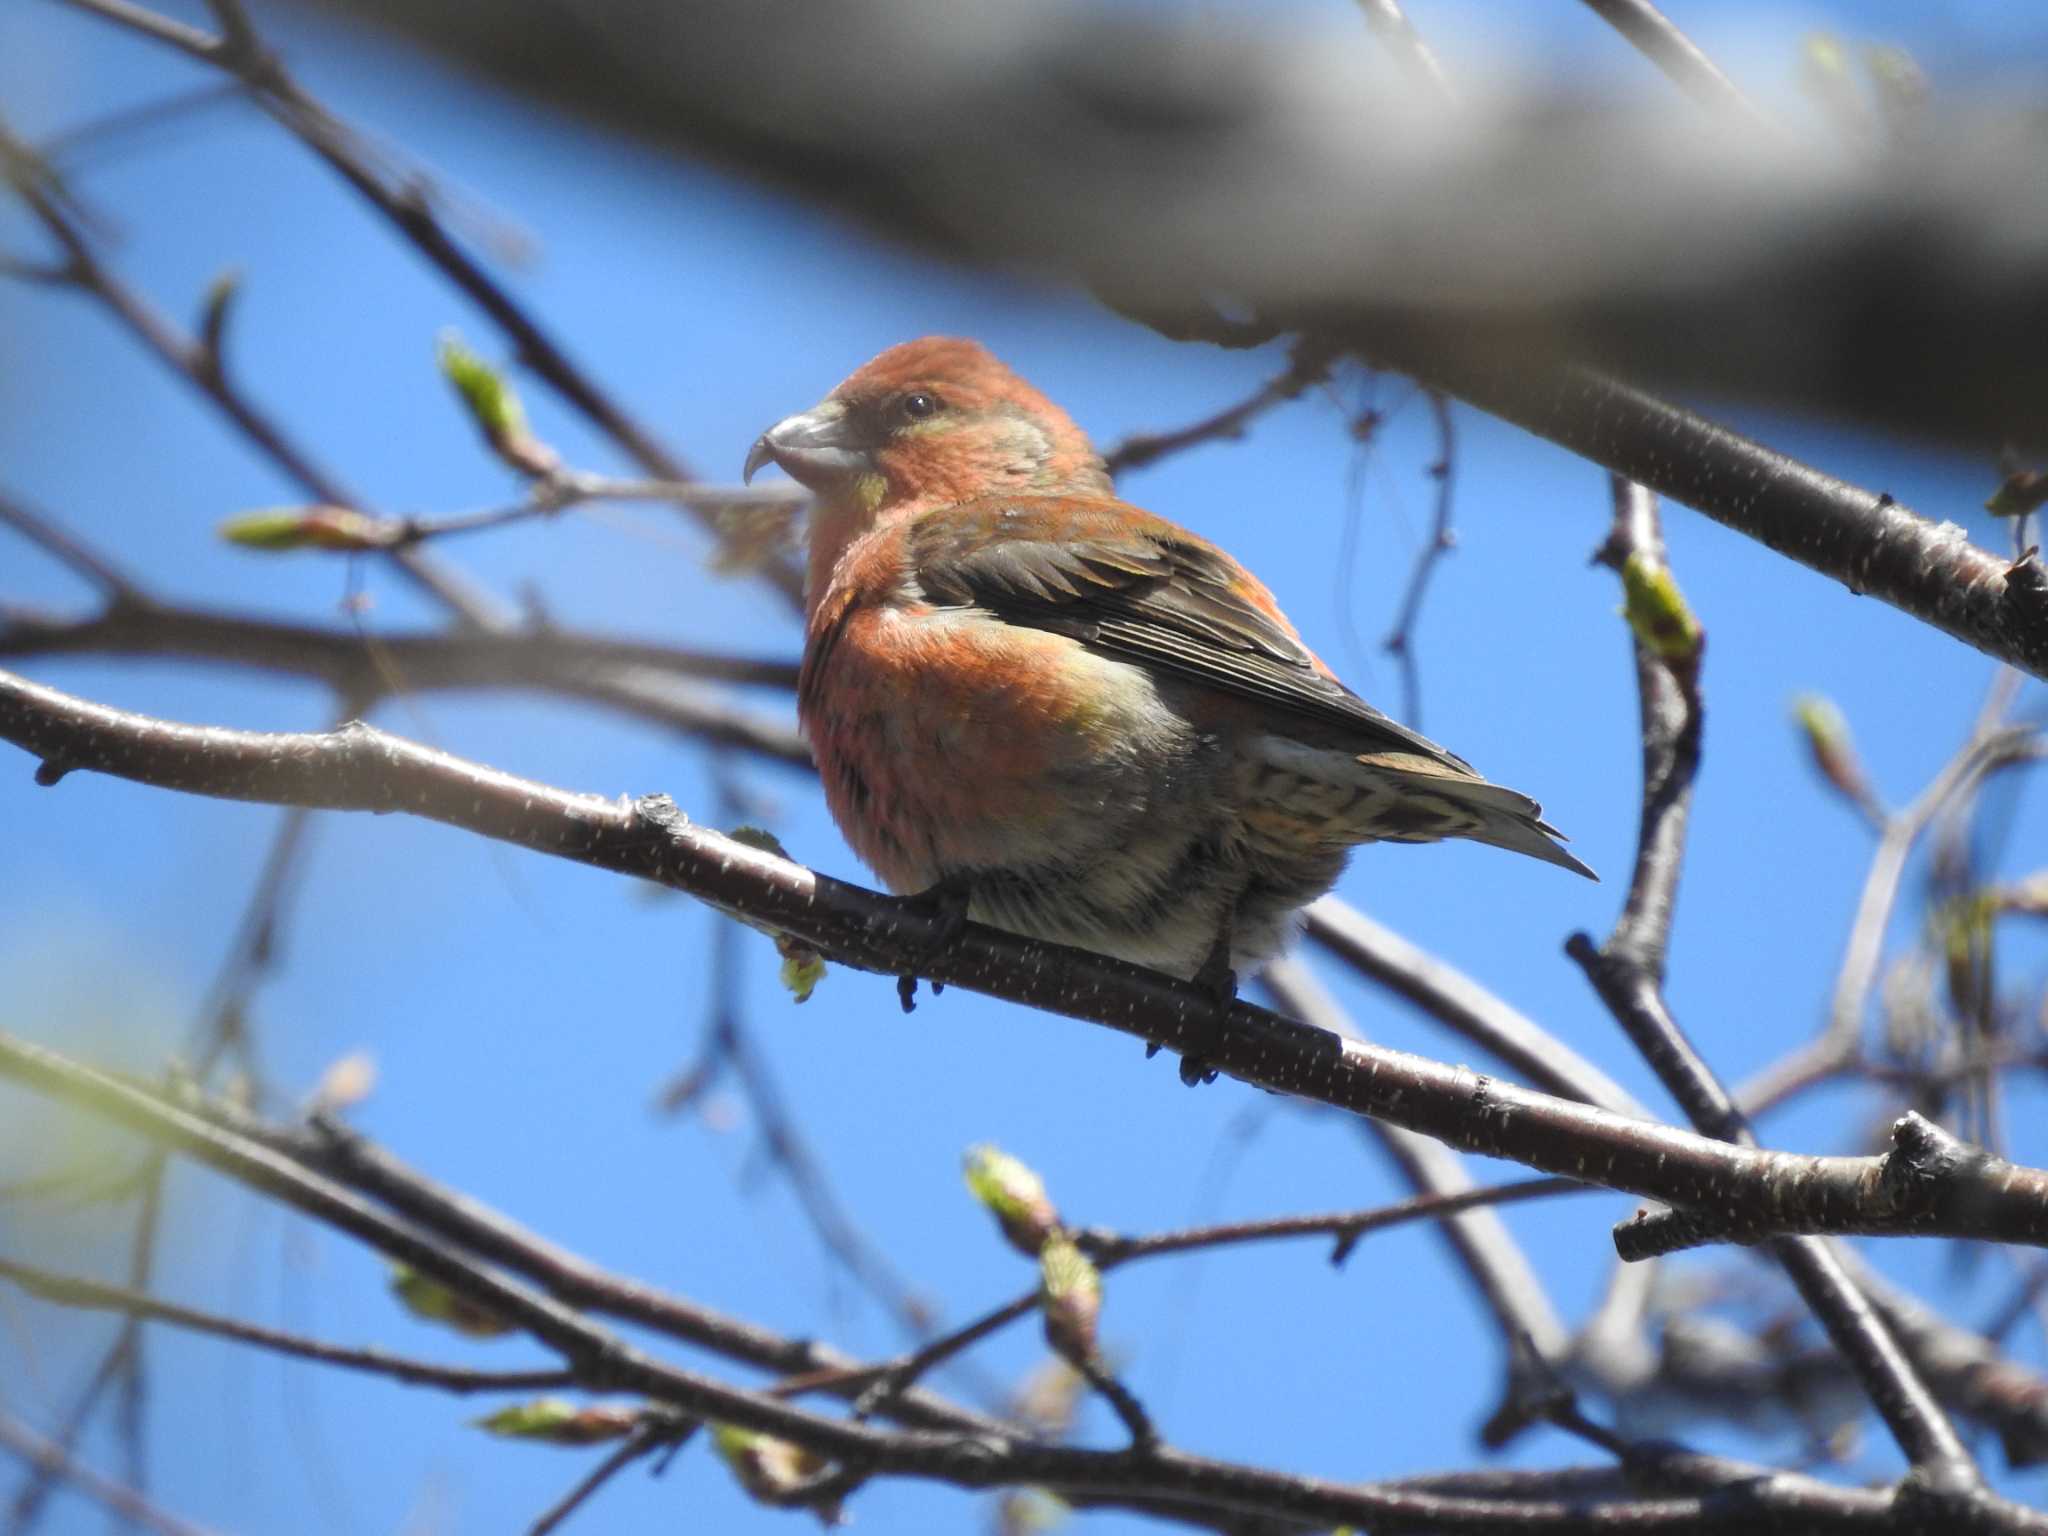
x: 1139, y: 588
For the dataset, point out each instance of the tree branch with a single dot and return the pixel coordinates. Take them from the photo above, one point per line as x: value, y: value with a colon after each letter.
x: 407, y: 207
x: 604, y: 1362
x: 1628, y: 973
x: 361, y: 768
x: 205, y: 371
x: 95, y: 1295
x: 53, y: 1461
x: 1651, y: 33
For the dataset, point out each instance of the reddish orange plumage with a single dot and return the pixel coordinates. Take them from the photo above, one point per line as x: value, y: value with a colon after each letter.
x: 1097, y: 725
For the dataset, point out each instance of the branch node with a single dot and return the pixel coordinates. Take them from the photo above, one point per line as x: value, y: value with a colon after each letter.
x: 1923, y: 1158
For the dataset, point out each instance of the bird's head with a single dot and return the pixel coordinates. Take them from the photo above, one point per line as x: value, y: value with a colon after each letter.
x: 928, y: 423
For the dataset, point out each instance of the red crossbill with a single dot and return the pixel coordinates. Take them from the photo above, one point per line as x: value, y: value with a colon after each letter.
x: 1082, y: 722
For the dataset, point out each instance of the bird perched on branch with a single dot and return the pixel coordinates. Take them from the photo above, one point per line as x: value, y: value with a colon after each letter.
x: 1065, y: 716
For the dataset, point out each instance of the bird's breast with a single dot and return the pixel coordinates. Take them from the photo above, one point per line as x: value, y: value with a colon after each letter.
x: 948, y: 738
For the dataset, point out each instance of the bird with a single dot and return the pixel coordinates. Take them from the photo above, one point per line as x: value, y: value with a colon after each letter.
x: 1055, y: 713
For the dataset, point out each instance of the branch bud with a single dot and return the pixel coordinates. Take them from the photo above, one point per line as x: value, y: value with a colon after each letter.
x: 1832, y: 748
x: 1015, y: 1195
x: 494, y: 406
x: 1070, y: 1294
x: 1656, y: 610
x: 557, y: 1421
x: 433, y: 1301
x: 772, y: 1471
x: 802, y: 966
x: 277, y: 529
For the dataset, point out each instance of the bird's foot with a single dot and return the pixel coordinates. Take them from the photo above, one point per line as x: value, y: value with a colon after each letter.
x: 1215, y: 977
x: 945, y: 904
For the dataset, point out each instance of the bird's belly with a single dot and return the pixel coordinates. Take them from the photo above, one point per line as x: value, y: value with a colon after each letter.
x: 1072, y: 791
x: 1081, y: 804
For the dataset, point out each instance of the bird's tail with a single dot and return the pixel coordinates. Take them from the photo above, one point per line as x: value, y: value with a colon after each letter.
x: 1418, y: 799
x: 1510, y: 820
x: 1397, y: 797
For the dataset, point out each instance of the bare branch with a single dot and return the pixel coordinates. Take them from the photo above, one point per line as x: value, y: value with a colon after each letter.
x: 1479, y: 1241
x: 1400, y: 641
x: 1628, y: 972
x: 94, y: 1295
x: 606, y: 1362
x: 50, y: 1458
x: 1992, y: 746
x: 361, y: 768
x: 191, y: 360
x: 1464, y: 1007
x: 1651, y: 33
x: 406, y: 207
x: 1397, y: 34
x: 643, y: 1442
x: 644, y: 679
x: 94, y: 567
x: 1740, y: 266
x: 1307, y: 367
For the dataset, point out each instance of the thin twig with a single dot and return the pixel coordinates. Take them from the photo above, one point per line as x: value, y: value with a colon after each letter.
x: 1627, y: 971
x: 1507, y: 1284
x: 1463, y: 1006
x: 404, y: 204
x: 94, y: 1295
x: 1992, y: 746
x: 1397, y: 34
x: 190, y: 359
x: 646, y: 1438
x: 113, y: 583
x: 606, y: 1362
x: 1653, y: 35
x: 119, y: 1367
x: 50, y: 1458
x: 883, y: 1383
x: 1110, y: 1249
x: 1307, y: 366
x: 1400, y: 641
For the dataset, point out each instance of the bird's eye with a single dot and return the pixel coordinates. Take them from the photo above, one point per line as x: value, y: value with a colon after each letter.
x: 918, y: 406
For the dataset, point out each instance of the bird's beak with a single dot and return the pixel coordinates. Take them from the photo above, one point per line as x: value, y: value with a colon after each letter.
x: 818, y: 447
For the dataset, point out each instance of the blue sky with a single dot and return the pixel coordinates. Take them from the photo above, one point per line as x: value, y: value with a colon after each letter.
x: 522, y: 1013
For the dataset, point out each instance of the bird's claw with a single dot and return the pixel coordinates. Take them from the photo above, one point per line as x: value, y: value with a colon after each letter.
x: 945, y: 904
x: 1216, y: 978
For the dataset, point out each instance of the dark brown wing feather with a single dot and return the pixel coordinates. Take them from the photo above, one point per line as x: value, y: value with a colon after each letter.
x: 1138, y: 588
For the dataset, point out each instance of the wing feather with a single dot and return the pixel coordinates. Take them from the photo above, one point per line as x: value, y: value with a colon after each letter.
x: 1139, y: 588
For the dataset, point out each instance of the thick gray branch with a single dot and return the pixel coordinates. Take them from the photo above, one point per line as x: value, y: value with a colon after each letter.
x: 361, y: 768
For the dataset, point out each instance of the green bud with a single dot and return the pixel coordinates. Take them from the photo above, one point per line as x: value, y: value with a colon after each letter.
x: 1031, y: 1511
x: 768, y: 1468
x: 557, y: 1421
x: 494, y: 406
x: 1070, y: 1294
x: 1014, y: 1194
x: 433, y: 1301
x: 278, y: 529
x: 1832, y: 748
x: 802, y: 967
x: 1822, y: 53
x: 1657, y: 612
